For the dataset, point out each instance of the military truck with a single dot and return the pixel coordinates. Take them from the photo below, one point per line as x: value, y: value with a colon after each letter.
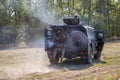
x: 73, y: 40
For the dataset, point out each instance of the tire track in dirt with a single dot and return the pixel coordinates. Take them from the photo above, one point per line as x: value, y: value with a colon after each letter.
x: 75, y: 75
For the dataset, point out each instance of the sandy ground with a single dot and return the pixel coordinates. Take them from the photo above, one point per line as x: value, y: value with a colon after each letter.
x: 33, y: 64
x: 15, y: 63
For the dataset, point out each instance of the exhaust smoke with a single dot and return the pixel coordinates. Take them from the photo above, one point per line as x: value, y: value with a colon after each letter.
x: 16, y: 63
x: 45, y: 12
x: 37, y: 60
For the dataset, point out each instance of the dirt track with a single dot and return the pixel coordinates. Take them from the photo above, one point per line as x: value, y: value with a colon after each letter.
x: 15, y: 63
x: 32, y: 64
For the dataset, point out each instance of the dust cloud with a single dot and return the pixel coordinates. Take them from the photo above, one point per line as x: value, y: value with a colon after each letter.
x: 45, y: 12
x: 20, y: 62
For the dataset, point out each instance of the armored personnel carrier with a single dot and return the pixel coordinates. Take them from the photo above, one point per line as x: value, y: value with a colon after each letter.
x: 73, y: 40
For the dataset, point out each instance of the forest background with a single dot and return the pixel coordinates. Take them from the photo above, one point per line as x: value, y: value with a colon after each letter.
x: 25, y: 20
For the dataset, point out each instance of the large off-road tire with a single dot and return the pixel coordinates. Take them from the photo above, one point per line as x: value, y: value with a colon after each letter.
x: 77, y: 41
x: 97, y: 56
x: 53, y: 59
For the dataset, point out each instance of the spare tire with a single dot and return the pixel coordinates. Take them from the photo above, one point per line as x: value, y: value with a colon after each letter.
x: 77, y: 41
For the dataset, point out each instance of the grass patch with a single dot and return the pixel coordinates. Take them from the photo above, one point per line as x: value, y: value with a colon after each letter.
x: 107, y: 69
x: 36, y: 76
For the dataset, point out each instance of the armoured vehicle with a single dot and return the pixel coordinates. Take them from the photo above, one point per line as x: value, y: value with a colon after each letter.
x: 73, y: 40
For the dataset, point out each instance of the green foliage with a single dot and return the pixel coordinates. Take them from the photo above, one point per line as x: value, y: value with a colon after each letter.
x: 102, y: 14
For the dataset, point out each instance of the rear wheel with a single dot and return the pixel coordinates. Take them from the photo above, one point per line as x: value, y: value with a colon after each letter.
x: 53, y: 58
x: 97, y: 56
x: 54, y: 61
x: 88, y: 58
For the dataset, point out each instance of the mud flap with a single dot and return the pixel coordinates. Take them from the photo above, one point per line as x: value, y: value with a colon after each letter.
x: 53, y: 57
x: 88, y: 59
x: 63, y: 54
x: 89, y: 56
